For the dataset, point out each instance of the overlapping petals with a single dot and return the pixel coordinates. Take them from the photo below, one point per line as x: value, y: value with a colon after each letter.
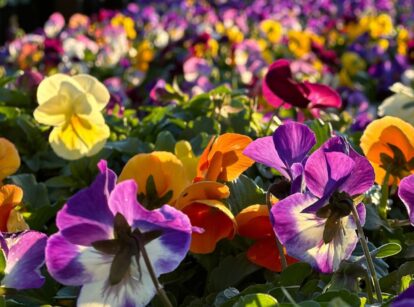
x: 73, y: 256
x: 9, y: 158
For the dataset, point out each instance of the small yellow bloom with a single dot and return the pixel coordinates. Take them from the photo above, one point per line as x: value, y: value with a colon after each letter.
x: 299, y: 43
x: 73, y: 105
x: 127, y: 23
x: 234, y: 35
x: 381, y: 26
x: 145, y: 55
x: 185, y: 153
x: 9, y: 158
x: 168, y: 172
x: 352, y: 63
x: 272, y: 30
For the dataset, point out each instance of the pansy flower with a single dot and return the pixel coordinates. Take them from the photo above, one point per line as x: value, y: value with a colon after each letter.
x: 285, y: 151
x: 24, y: 255
x: 253, y: 222
x: 388, y: 143
x: 280, y: 89
x: 104, y: 234
x: 10, y: 219
x: 316, y: 226
x: 405, y: 299
x: 73, y: 105
x: 223, y: 158
x: 400, y: 104
x: 406, y: 193
x: 9, y: 158
x: 160, y: 175
x: 202, y: 203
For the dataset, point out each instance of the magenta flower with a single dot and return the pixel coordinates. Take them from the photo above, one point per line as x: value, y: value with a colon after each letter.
x: 279, y: 88
x: 406, y: 193
x: 103, y: 231
x: 24, y: 253
x: 285, y: 151
x: 316, y: 226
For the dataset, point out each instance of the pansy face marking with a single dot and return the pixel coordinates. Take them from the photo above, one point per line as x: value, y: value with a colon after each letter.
x: 397, y: 165
x: 127, y: 243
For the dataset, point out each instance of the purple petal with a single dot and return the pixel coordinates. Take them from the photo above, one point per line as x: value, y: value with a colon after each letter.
x: 406, y: 193
x: 325, y: 172
x: 75, y: 265
x: 293, y: 141
x: 405, y: 299
x: 361, y: 214
x: 262, y: 150
x: 89, y: 209
x: 322, y: 96
x: 25, y: 257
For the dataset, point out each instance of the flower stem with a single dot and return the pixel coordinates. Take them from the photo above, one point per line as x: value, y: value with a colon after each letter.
x: 382, y: 208
x: 367, y: 254
x: 278, y: 244
x: 161, y: 293
x: 266, y: 131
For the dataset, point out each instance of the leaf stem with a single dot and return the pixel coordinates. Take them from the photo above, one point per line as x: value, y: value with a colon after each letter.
x: 266, y: 131
x: 367, y: 254
x: 278, y: 244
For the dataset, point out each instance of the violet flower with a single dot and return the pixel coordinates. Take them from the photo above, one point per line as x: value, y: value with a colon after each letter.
x: 279, y: 88
x: 24, y: 253
x: 316, y: 226
x: 103, y: 232
x: 405, y: 299
x: 285, y: 151
x: 406, y: 193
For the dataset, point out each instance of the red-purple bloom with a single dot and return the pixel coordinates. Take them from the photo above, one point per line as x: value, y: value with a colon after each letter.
x: 406, y: 193
x: 280, y: 89
x: 316, y: 226
x: 285, y: 151
x: 24, y: 253
x: 103, y: 231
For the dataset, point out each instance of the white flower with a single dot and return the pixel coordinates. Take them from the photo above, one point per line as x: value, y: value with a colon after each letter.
x: 401, y: 104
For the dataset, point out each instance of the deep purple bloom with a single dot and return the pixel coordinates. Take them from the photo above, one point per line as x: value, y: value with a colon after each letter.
x: 316, y: 226
x: 406, y: 193
x: 285, y: 151
x: 24, y: 253
x: 102, y: 230
x: 279, y: 88
x: 405, y: 299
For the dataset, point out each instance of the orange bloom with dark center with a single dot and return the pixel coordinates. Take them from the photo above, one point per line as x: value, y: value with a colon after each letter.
x: 201, y: 203
x: 388, y: 143
x: 223, y: 158
x: 253, y: 222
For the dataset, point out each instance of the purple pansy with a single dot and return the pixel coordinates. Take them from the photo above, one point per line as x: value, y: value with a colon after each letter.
x: 405, y: 299
x: 406, y: 193
x: 102, y: 230
x: 316, y: 226
x: 24, y: 253
x: 285, y: 151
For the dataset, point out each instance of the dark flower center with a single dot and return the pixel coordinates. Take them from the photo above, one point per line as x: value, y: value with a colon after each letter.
x: 124, y: 246
x: 397, y: 166
x: 338, y: 207
x: 280, y: 188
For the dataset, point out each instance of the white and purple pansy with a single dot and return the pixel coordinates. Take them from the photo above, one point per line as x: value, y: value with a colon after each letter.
x: 103, y: 231
x: 24, y: 255
x: 316, y: 226
x: 286, y: 151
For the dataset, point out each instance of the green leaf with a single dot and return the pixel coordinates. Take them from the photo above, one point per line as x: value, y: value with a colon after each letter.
x: 2, y: 264
x: 295, y: 274
x: 34, y: 194
x: 386, y: 250
x: 230, y: 271
x: 256, y: 300
x: 322, y: 130
x: 131, y: 145
x: 205, y: 124
x: 221, y: 90
x: 346, y: 296
x: 165, y: 141
x: 244, y: 192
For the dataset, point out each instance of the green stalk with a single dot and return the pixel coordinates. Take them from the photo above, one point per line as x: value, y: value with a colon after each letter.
x: 266, y: 131
x: 367, y: 254
x: 382, y: 208
x: 278, y: 244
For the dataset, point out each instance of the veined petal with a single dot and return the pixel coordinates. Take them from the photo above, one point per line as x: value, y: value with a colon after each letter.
x: 406, y: 193
x: 54, y: 112
x: 93, y: 87
x: 25, y: 257
x: 262, y: 150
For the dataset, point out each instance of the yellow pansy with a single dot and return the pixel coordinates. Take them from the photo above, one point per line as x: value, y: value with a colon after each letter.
x: 299, y: 43
x: 352, y: 63
x: 145, y: 54
x: 234, y: 35
x: 381, y: 25
x: 272, y: 30
x: 127, y: 23
x: 72, y: 105
x: 9, y: 158
x: 168, y: 173
x: 185, y: 153
x: 402, y: 40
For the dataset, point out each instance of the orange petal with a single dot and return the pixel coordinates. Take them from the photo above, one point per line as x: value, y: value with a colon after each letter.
x: 253, y: 222
x: 10, y: 196
x: 9, y: 158
x: 265, y: 254
x: 216, y: 220
x: 202, y: 190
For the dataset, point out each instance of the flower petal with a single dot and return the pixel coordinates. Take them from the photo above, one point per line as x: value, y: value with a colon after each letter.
x: 10, y: 196
x: 53, y: 112
x: 406, y: 193
x: 50, y: 86
x: 253, y: 222
x: 93, y: 87
x: 9, y: 158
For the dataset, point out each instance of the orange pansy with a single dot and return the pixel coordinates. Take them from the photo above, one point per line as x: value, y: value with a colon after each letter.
x: 201, y: 203
x: 223, y: 158
x: 253, y: 222
x: 9, y: 158
x: 167, y: 170
x: 10, y: 197
x: 388, y: 143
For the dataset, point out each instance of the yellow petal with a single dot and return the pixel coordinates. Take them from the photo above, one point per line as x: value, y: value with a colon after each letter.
x: 49, y: 87
x: 9, y: 158
x: 54, y: 112
x: 167, y: 170
x: 16, y: 222
x: 93, y: 87
x: 184, y: 152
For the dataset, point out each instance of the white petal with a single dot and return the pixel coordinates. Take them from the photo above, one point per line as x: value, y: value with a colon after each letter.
x: 93, y: 87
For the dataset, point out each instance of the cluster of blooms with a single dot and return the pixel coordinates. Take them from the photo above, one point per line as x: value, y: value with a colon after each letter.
x: 298, y: 66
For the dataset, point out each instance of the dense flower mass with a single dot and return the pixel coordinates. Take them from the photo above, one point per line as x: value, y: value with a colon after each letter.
x: 265, y: 152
